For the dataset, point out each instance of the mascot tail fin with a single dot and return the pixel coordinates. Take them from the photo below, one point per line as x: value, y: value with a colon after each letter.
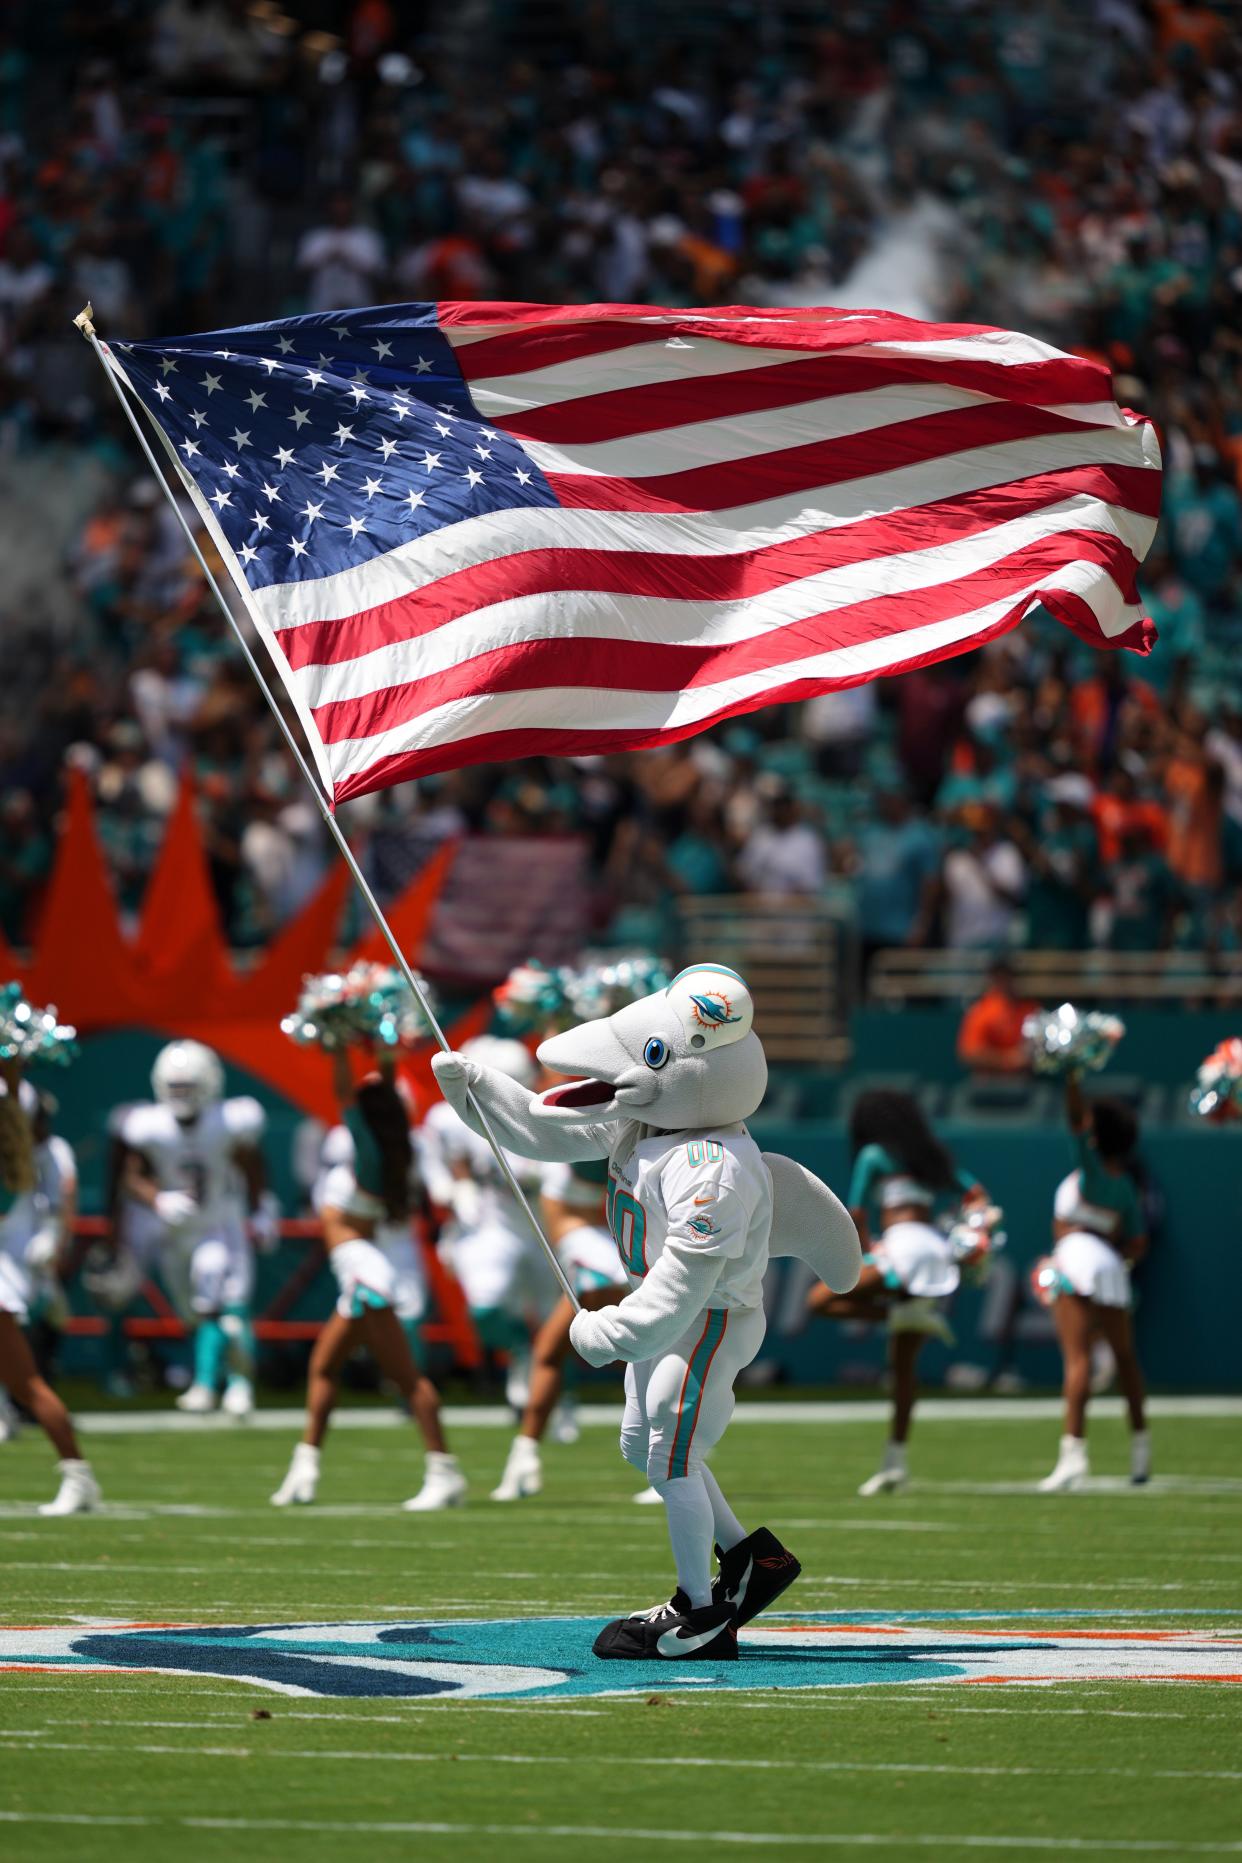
x: 810, y: 1222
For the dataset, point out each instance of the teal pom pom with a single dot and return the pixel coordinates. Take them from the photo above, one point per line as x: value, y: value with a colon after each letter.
x: 28, y: 1034
x: 370, y: 1003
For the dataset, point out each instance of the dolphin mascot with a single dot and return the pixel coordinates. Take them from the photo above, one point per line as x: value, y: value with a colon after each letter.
x: 662, y: 1090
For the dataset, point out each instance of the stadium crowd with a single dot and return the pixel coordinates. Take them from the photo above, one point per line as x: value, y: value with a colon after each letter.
x: 1072, y: 171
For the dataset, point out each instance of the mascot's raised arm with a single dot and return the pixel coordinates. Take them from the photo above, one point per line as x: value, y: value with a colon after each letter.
x: 662, y: 1089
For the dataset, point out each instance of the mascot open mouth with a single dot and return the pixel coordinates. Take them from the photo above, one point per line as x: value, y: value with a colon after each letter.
x: 580, y: 1093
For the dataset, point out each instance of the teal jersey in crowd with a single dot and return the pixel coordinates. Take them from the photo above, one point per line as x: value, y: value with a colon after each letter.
x: 368, y: 1162
x: 1056, y: 910
x: 877, y: 1172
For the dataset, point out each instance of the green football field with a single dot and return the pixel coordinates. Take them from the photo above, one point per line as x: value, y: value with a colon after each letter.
x: 966, y: 1668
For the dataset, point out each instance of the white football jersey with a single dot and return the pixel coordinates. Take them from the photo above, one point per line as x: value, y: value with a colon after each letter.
x: 444, y: 1140
x: 710, y: 1189
x: 198, y: 1158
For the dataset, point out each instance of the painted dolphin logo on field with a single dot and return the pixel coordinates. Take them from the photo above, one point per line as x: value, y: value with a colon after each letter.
x: 550, y: 1657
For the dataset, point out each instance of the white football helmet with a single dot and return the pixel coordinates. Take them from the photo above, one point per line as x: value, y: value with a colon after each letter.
x: 188, y: 1077
x: 505, y: 1055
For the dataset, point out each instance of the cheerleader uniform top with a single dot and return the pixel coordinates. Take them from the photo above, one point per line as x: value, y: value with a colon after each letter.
x: 1104, y: 1203
x: 881, y: 1183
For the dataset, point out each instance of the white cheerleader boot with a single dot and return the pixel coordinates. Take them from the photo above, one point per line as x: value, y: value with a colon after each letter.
x: 444, y: 1485
x: 78, y: 1492
x: 238, y: 1400
x: 1140, y: 1458
x: 299, y: 1485
x: 564, y: 1428
x: 1071, y: 1469
x: 198, y: 1400
x: 523, y: 1474
x: 10, y: 1422
x: 891, y: 1475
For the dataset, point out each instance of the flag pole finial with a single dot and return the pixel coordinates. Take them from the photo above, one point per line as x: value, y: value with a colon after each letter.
x: 85, y: 320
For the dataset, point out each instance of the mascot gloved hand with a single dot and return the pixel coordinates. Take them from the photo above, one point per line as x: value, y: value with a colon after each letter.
x: 662, y: 1089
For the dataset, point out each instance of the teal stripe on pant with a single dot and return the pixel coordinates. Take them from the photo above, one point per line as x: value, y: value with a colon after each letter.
x: 697, y: 1368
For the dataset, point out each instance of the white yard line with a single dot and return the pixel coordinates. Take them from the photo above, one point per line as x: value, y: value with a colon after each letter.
x: 368, y: 1756
x: 849, y: 1840
x: 608, y: 1416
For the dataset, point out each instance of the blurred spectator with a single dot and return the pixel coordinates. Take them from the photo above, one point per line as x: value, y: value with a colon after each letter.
x: 896, y: 861
x: 343, y: 259
x: 982, y: 880
x: 1062, y: 857
x: 783, y: 854
x: 989, y: 1040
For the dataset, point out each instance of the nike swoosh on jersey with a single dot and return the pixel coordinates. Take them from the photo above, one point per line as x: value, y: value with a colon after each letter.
x: 739, y: 1591
x: 672, y: 1643
x: 705, y: 1199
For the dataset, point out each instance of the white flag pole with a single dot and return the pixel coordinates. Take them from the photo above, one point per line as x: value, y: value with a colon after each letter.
x: 85, y: 323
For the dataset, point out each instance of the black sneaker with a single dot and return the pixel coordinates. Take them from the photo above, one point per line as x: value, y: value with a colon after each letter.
x: 753, y: 1574
x: 673, y: 1632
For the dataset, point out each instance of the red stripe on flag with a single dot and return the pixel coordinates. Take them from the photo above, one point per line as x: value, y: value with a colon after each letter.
x: 656, y: 666
x: 541, y: 741
x: 613, y: 414
x: 733, y: 577
x: 821, y: 464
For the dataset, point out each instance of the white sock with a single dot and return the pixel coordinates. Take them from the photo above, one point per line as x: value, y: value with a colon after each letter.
x: 690, y: 1529
x: 894, y: 1455
x: 729, y: 1530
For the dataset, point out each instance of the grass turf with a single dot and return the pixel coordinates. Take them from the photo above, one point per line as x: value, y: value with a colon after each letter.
x: 137, y: 1765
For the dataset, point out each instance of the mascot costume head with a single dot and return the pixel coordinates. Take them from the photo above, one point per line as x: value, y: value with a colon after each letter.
x: 685, y: 1059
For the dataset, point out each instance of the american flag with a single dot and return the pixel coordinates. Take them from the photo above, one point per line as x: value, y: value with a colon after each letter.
x: 474, y: 532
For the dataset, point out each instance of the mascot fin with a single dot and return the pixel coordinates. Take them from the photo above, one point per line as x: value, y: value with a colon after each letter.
x: 810, y: 1222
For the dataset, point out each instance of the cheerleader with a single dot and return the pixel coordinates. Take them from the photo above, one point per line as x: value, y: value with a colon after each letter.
x: 573, y: 1213
x: 1098, y: 1230
x: 902, y: 1175
x: 20, y: 1224
x: 363, y: 1200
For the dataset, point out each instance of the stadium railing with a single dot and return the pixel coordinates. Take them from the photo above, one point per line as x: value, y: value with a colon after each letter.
x: 901, y: 977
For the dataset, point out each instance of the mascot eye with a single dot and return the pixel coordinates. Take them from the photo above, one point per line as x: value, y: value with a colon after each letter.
x: 655, y: 1054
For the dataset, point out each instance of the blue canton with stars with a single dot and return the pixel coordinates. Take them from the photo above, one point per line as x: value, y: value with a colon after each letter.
x: 321, y: 442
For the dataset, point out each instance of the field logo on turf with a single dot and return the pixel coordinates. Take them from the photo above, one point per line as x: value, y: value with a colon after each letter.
x: 551, y: 1657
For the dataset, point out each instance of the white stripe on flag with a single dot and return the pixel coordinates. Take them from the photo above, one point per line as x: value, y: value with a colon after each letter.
x: 640, y: 619
x: 586, y: 709
x: 500, y: 534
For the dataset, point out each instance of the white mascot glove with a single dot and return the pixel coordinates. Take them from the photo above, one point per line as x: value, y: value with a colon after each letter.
x: 174, y: 1208
x: 41, y: 1250
x: 585, y: 1340
x: 454, y: 1074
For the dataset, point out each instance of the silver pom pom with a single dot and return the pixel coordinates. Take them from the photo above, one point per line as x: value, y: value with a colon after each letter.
x: 1069, y: 1040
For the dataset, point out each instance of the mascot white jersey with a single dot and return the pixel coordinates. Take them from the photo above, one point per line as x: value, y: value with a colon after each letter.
x: 662, y: 1089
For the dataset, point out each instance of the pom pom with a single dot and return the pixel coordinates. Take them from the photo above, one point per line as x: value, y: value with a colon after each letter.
x: 974, y: 1238
x: 1217, y: 1092
x: 369, y: 1003
x: 30, y: 1034
x: 532, y: 999
x: 602, y: 989
x: 1071, y: 1041
x: 1047, y: 1281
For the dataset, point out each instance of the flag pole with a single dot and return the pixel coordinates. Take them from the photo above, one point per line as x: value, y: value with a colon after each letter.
x: 85, y: 323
